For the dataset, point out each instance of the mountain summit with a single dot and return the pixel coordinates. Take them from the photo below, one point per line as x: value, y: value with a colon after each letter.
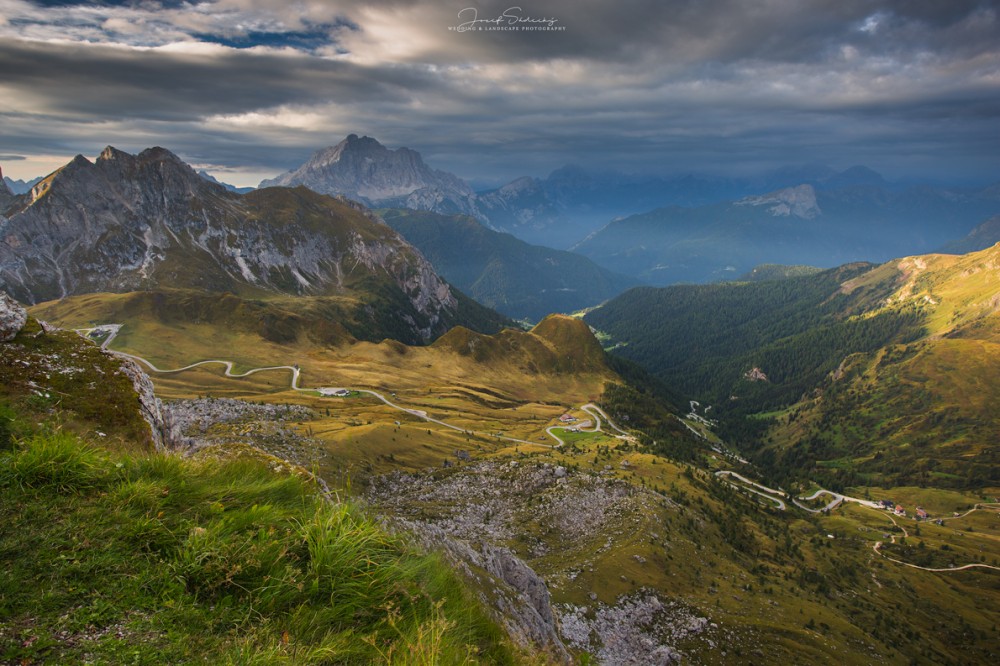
x: 363, y: 169
x: 144, y: 222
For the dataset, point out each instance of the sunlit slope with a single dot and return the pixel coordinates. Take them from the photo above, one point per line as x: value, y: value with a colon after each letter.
x: 883, y: 374
x: 514, y: 382
x: 927, y: 411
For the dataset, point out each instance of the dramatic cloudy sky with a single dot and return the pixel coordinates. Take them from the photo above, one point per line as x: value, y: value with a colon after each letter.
x: 249, y: 88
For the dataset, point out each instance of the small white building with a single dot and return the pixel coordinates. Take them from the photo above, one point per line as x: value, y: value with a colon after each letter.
x: 334, y: 392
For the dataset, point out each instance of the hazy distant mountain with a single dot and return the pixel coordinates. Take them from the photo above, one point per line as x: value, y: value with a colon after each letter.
x: 573, y: 201
x: 983, y: 236
x: 232, y: 188
x: 20, y: 186
x: 558, y: 211
x: 798, y: 225
x: 126, y: 223
x: 364, y: 170
x: 503, y: 272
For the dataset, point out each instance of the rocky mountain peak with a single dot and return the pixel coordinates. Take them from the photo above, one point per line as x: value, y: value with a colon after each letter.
x: 361, y: 168
x: 799, y: 201
x: 110, y: 153
x: 6, y: 194
x: 131, y: 222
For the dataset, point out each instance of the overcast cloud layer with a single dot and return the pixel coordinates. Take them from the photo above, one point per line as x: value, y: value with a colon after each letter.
x: 249, y: 88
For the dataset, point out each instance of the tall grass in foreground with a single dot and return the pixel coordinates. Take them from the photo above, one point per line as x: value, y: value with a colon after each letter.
x: 155, y: 559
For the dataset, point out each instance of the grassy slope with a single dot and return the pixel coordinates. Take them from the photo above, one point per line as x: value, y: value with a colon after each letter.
x: 141, y: 557
x: 883, y: 376
x: 778, y: 586
x: 515, y: 382
x: 922, y: 412
x: 174, y: 320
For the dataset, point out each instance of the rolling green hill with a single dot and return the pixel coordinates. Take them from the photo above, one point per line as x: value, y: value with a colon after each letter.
x: 854, y: 376
x: 503, y: 272
x: 766, y: 272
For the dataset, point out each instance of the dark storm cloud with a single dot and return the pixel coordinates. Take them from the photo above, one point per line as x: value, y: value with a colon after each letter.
x: 637, y: 84
x: 107, y: 82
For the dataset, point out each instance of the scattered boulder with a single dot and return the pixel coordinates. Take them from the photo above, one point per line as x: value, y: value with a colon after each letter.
x: 13, y: 317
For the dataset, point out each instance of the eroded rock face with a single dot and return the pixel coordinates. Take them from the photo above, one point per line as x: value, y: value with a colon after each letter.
x: 797, y: 201
x: 502, y: 522
x: 639, y: 628
x: 149, y: 405
x: 12, y: 317
x: 516, y: 593
x: 132, y: 222
x: 362, y: 168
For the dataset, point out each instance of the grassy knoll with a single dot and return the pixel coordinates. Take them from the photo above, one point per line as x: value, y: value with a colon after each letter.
x: 152, y: 559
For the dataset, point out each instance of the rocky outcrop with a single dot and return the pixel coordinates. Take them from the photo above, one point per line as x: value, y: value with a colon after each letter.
x: 6, y: 194
x: 149, y: 405
x: 797, y: 201
x: 12, y: 318
x: 517, y: 595
x: 640, y: 628
x: 362, y: 168
x: 501, y: 523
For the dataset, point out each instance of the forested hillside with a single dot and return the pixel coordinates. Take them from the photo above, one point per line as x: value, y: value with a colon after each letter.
x: 855, y: 376
x: 706, y: 340
x: 505, y: 273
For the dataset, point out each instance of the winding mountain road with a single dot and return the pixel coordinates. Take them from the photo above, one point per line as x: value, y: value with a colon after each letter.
x: 597, y: 414
x: 975, y: 565
x: 768, y: 493
x: 776, y: 495
x: 590, y: 408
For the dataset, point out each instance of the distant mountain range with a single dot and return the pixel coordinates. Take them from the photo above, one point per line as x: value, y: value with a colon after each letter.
x: 140, y: 222
x: 983, y: 236
x: 556, y: 211
x: 664, y: 230
x: 668, y: 229
x: 799, y: 225
x: 19, y: 186
x: 503, y: 272
x: 232, y: 188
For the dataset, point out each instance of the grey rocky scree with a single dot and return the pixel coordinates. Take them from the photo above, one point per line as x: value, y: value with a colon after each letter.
x: 12, y: 317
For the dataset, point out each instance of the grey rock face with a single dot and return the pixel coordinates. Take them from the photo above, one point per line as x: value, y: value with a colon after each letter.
x: 12, y: 318
x: 480, y: 512
x: 6, y: 194
x: 149, y: 404
x: 364, y: 169
x: 518, y: 595
x: 639, y: 629
x: 797, y: 201
x: 130, y: 222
